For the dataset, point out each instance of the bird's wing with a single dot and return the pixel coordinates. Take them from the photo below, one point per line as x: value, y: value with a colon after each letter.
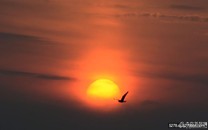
x: 123, y: 97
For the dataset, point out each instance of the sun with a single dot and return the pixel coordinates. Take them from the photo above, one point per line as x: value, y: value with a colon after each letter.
x: 103, y: 89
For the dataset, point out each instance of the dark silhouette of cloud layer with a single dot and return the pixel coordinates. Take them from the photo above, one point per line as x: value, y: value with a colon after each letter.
x: 34, y: 75
x: 198, y: 78
x: 192, y: 18
x: 13, y: 37
x: 16, y: 43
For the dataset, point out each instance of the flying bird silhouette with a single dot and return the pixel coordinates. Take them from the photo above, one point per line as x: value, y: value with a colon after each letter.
x: 123, y: 97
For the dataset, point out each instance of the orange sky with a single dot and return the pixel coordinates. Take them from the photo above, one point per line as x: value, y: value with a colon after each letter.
x: 146, y: 47
x: 51, y: 51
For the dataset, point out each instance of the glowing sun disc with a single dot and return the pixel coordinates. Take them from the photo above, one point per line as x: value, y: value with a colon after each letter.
x: 103, y: 89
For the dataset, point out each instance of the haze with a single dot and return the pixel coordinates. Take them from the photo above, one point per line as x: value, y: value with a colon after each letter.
x: 51, y: 50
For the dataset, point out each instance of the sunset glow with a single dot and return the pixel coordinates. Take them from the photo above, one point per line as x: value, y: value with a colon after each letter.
x: 103, y: 64
x: 100, y: 81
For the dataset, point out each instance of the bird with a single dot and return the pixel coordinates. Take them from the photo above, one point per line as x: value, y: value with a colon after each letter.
x: 122, y: 98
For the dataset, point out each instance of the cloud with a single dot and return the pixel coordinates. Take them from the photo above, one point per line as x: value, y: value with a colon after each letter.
x: 34, y: 75
x: 21, y: 43
x: 198, y: 78
x: 13, y: 44
x: 192, y: 18
x: 13, y: 37
x: 186, y: 7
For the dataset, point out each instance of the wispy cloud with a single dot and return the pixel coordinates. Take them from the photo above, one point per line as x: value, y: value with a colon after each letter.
x: 34, y: 75
x: 186, y: 7
x: 192, y: 18
x: 197, y: 78
x: 14, y: 37
x: 14, y: 43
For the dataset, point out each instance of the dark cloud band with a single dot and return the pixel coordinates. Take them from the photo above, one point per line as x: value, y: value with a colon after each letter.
x: 193, y: 18
x: 34, y: 75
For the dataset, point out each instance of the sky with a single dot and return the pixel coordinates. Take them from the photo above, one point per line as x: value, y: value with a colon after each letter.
x: 52, y: 50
